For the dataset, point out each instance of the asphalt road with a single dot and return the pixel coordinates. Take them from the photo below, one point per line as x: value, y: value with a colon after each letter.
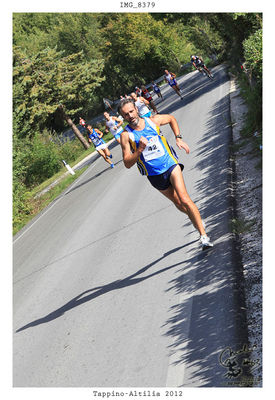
x: 111, y: 288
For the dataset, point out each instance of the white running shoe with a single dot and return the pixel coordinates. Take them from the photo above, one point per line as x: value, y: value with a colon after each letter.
x: 205, y: 242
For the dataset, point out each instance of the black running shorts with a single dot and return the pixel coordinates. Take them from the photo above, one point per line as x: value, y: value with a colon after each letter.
x: 162, y: 181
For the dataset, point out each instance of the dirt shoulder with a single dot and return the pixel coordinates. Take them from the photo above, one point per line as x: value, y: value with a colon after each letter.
x: 248, y: 200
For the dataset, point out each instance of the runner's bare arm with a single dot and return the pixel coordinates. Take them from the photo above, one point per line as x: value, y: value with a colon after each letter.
x: 119, y: 122
x: 100, y: 134
x: 130, y: 158
x: 164, y: 119
x: 145, y: 101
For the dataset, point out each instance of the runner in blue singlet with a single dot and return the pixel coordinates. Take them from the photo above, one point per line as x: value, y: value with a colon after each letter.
x: 170, y: 78
x: 156, y: 89
x: 143, y: 145
x: 95, y: 137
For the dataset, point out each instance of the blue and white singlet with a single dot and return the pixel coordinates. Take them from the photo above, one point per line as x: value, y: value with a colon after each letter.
x: 171, y: 81
x: 158, y: 156
x: 156, y: 88
x: 97, y: 141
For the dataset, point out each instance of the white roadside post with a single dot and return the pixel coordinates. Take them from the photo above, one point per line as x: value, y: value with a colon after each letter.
x: 71, y: 171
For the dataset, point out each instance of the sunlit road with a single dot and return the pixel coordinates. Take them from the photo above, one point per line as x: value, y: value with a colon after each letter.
x: 111, y: 288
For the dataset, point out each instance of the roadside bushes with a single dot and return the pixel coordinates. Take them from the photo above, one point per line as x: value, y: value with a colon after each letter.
x: 252, y: 85
x: 34, y: 161
x: 43, y: 161
x: 41, y: 157
x: 253, y: 54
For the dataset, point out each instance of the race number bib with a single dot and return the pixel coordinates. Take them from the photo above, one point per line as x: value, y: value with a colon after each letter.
x: 153, y: 149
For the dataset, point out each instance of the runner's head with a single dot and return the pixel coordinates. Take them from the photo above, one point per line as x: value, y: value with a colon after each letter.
x: 166, y: 71
x: 129, y: 111
x: 106, y: 115
x: 134, y: 96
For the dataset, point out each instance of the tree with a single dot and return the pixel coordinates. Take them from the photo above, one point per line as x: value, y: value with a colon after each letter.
x: 47, y: 79
x: 137, y: 49
x: 75, y: 130
x: 68, y: 32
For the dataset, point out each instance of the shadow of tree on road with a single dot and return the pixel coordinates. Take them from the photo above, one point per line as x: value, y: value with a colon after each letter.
x: 215, y: 294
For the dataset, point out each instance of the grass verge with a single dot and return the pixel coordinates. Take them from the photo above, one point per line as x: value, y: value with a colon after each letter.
x: 36, y: 205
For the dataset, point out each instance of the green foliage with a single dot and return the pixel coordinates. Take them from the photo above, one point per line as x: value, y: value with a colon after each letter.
x: 205, y: 40
x: 69, y: 32
x: 41, y: 157
x: 251, y: 85
x: 253, y: 54
x: 253, y: 99
x: 240, y: 226
x: 47, y: 79
x: 138, y: 49
x: 43, y: 161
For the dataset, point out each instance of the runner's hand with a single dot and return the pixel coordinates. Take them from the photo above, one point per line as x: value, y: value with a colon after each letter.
x: 182, y: 145
x: 142, y: 144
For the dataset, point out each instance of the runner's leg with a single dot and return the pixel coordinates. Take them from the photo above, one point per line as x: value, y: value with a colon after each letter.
x: 152, y: 104
x: 175, y: 89
x: 177, y: 193
x: 105, y: 156
x: 206, y: 69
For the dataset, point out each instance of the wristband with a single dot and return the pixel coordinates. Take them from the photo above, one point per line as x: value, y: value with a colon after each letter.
x: 178, y: 137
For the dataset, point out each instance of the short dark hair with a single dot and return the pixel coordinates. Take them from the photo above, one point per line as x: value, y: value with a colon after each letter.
x: 123, y: 102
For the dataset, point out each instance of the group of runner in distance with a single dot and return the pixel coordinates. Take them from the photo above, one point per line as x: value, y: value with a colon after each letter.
x: 143, y: 145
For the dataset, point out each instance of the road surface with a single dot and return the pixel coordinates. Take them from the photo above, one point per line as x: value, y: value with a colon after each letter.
x: 111, y: 288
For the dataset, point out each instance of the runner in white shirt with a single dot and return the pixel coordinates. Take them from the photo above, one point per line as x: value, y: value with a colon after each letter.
x: 141, y: 104
x: 113, y: 124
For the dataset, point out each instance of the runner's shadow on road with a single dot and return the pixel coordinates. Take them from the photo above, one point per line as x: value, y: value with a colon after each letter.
x: 93, y: 293
x: 216, y: 293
